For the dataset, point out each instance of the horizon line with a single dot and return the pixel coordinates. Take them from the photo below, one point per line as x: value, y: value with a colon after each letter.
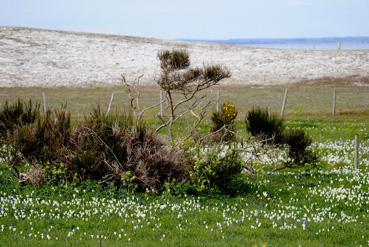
x: 187, y: 39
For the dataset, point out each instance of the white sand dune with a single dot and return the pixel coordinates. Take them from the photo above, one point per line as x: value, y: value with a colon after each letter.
x: 34, y: 57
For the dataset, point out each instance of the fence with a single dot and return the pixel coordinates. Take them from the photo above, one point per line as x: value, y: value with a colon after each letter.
x: 296, y: 100
x: 302, y: 100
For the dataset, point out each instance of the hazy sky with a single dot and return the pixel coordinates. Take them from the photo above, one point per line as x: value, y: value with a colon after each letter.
x: 198, y: 19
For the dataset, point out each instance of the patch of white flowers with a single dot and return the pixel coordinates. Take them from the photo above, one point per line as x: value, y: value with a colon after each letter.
x: 342, y: 152
x: 250, y: 152
x: 337, y: 152
x: 326, y: 205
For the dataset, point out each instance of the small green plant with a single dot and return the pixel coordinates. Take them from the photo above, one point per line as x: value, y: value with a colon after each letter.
x: 216, y: 168
x: 128, y: 182
x: 55, y: 174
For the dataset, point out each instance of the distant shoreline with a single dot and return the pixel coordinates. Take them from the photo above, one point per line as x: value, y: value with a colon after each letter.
x: 326, y: 43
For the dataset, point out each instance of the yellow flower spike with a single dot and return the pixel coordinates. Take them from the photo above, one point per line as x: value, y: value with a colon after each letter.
x: 229, y: 111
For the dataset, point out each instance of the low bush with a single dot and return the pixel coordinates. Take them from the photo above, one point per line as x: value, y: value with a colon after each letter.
x: 298, y: 142
x: 46, y: 140
x: 111, y: 148
x: 266, y: 126
x: 270, y: 129
x: 17, y: 114
x: 215, y: 168
x: 97, y: 145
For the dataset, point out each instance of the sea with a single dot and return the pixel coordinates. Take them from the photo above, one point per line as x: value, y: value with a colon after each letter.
x: 345, y: 43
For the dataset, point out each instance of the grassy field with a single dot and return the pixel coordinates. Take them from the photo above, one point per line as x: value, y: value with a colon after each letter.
x: 324, y: 207
x: 318, y: 208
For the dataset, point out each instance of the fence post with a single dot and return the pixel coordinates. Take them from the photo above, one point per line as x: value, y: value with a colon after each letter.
x: 357, y: 153
x: 334, y: 102
x: 44, y: 102
x: 218, y: 99
x: 284, y: 101
x: 111, y: 101
x: 161, y: 103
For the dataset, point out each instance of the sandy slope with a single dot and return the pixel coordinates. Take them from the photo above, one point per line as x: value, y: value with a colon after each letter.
x: 32, y: 57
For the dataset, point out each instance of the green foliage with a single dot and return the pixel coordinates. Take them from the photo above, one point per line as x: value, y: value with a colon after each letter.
x: 7, y: 179
x: 266, y: 126
x: 215, y: 168
x: 56, y: 174
x: 129, y: 182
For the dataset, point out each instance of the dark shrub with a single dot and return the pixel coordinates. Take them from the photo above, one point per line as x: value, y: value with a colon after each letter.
x: 261, y: 124
x: 270, y: 127
x: 174, y: 60
x: 46, y: 139
x: 298, y: 142
x: 18, y: 114
x: 108, y: 147
x: 157, y: 164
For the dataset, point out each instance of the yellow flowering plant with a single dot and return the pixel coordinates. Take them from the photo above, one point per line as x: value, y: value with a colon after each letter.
x: 223, y: 122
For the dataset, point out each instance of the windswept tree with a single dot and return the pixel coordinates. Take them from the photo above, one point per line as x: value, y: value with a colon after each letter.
x: 178, y: 78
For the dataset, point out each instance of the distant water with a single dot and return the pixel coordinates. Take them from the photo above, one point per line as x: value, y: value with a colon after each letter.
x: 348, y: 43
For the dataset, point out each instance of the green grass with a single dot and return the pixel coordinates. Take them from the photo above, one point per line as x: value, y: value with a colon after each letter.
x: 273, y: 214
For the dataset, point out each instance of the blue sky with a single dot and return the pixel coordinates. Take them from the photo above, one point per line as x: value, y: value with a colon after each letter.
x: 197, y: 19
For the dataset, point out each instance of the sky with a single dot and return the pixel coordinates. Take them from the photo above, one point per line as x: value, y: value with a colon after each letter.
x: 194, y: 19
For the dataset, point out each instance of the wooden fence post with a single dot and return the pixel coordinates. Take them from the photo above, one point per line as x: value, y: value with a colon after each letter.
x: 284, y: 101
x: 44, y: 102
x: 110, y: 102
x: 161, y: 104
x: 218, y: 99
x: 334, y: 102
x: 357, y: 152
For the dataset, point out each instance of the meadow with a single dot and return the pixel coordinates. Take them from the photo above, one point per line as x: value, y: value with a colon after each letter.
x: 322, y: 206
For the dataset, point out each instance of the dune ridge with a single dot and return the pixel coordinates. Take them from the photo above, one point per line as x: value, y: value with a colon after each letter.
x: 47, y: 58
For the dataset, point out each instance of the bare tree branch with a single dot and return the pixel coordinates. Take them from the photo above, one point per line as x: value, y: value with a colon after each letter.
x: 178, y: 78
